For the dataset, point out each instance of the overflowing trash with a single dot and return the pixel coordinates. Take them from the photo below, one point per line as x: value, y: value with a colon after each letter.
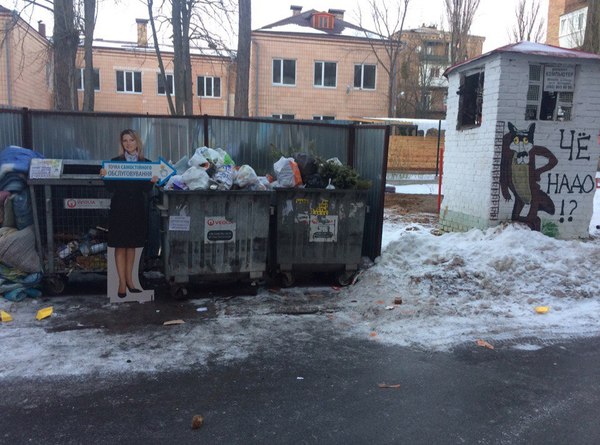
x: 214, y: 169
x: 20, y: 265
x: 86, y: 251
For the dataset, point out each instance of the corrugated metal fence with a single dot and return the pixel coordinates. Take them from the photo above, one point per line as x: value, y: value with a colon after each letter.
x: 256, y: 142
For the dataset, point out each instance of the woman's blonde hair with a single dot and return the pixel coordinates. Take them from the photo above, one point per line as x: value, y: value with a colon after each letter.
x: 138, y: 140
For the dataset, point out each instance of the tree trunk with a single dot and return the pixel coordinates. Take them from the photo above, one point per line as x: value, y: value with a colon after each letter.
x: 178, y: 74
x: 65, y: 40
x: 591, y: 41
x: 188, y: 104
x: 161, y: 65
x: 242, y: 81
x: 89, y: 12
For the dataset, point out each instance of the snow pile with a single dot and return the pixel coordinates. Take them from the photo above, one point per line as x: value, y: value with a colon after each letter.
x: 459, y: 287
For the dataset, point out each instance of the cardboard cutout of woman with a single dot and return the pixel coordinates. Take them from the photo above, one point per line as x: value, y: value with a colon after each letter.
x: 127, y: 225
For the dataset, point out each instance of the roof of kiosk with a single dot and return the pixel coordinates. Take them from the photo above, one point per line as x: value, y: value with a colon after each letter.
x: 537, y: 49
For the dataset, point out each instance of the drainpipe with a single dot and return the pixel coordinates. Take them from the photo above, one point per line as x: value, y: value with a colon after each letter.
x: 257, y: 68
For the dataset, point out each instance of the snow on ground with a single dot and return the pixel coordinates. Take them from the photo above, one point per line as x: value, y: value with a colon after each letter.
x: 455, y: 288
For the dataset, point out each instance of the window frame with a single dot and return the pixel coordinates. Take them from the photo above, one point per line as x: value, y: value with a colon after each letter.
x: 362, y: 76
x: 561, y: 103
x: 322, y: 74
x: 158, y: 85
x: 470, y: 104
x: 133, y: 81
x: 214, y: 80
x: 283, y: 116
x: 282, y: 72
x: 80, y: 86
x: 323, y: 118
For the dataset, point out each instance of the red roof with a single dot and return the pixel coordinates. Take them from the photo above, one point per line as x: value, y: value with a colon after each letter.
x: 537, y: 49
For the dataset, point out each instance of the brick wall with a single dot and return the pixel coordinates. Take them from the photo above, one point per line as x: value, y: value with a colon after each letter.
x: 304, y: 100
x: 472, y: 196
x: 25, y: 74
x: 413, y: 153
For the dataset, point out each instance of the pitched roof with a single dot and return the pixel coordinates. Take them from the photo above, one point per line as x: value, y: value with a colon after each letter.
x: 532, y: 48
x: 302, y: 24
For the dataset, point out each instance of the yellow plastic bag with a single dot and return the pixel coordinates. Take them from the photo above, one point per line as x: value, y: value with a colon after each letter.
x: 43, y: 313
x: 5, y: 316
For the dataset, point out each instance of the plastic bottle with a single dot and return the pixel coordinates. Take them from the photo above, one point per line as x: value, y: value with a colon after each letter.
x: 98, y: 248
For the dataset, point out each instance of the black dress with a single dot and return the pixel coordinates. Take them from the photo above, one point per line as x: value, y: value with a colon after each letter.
x: 128, y: 216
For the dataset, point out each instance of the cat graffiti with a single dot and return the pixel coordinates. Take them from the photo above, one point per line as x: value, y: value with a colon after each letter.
x: 519, y: 175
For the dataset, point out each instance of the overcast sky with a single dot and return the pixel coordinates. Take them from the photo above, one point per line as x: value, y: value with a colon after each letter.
x: 494, y: 19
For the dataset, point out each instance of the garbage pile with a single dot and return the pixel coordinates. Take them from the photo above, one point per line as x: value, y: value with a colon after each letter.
x: 86, y: 252
x: 214, y: 169
x: 20, y: 265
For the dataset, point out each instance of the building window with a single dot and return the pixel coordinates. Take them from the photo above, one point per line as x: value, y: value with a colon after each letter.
x: 426, y: 101
x: 571, y: 31
x: 161, y: 84
x: 471, y: 100
x: 325, y: 74
x: 364, y: 76
x: 434, y: 72
x: 283, y: 116
x: 323, y: 118
x: 79, y: 79
x: 209, y: 86
x: 129, y: 81
x: 284, y: 72
x: 550, y: 92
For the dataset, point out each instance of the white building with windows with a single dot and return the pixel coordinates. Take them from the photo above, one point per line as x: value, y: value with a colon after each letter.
x: 522, y: 140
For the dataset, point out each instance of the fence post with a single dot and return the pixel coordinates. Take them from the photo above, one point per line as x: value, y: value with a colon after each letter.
x: 26, y: 136
x: 437, y: 157
x: 205, y: 122
x: 351, y: 145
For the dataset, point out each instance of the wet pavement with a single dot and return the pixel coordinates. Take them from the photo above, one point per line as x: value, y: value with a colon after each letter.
x: 314, y: 387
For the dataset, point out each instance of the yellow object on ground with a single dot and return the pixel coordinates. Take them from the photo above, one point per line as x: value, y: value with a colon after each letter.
x: 542, y: 309
x: 43, y: 313
x: 5, y: 316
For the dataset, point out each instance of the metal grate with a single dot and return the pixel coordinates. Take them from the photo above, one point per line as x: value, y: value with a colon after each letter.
x: 533, y: 94
x: 535, y: 73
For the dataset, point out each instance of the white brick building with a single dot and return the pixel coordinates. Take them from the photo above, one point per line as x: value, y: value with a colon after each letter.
x: 522, y: 140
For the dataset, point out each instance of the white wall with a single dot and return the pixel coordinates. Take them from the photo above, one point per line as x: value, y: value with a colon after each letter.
x: 472, y: 195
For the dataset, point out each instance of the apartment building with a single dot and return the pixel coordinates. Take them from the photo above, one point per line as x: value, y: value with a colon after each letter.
x: 126, y: 73
x: 566, y: 22
x: 422, y: 88
x: 315, y: 65
x: 25, y: 68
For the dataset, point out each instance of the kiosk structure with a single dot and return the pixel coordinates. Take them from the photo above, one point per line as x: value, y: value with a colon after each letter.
x: 522, y: 140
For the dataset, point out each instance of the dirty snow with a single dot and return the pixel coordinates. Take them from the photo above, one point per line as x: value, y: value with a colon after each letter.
x: 455, y: 288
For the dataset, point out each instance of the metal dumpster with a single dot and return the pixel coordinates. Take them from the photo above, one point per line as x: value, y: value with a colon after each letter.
x: 214, y: 236
x: 319, y: 230
x: 70, y: 213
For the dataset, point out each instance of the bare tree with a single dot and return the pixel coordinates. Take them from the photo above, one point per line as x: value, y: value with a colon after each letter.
x: 193, y: 22
x: 388, y: 21
x: 530, y: 24
x: 89, y: 24
x: 65, y: 41
x: 460, y: 15
x: 591, y: 41
x: 242, y: 81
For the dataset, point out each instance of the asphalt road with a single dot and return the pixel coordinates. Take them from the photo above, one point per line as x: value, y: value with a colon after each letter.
x: 320, y: 390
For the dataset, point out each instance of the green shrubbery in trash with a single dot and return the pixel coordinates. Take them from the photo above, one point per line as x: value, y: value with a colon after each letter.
x: 342, y: 176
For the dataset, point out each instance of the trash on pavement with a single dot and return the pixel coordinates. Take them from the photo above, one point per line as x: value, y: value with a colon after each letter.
x: 398, y: 300
x: 484, y: 344
x: 197, y: 421
x: 172, y: 322
x: 386, y: 385
x: 542, y: 309
x: 202, y: 309
x: 390, y: 308
x: 44, y: 313
x: 5, y: 316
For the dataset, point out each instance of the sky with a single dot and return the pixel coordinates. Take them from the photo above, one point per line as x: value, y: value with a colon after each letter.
x: 116, y: 18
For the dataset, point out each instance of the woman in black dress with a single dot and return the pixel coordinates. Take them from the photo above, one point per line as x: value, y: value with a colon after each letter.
x: 128, y: 216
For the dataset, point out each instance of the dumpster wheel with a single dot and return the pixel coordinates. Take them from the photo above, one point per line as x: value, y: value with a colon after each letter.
x: 55, y: 284
x: 287, y: 279
x: 179, y: 292
x: 345, y: 278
